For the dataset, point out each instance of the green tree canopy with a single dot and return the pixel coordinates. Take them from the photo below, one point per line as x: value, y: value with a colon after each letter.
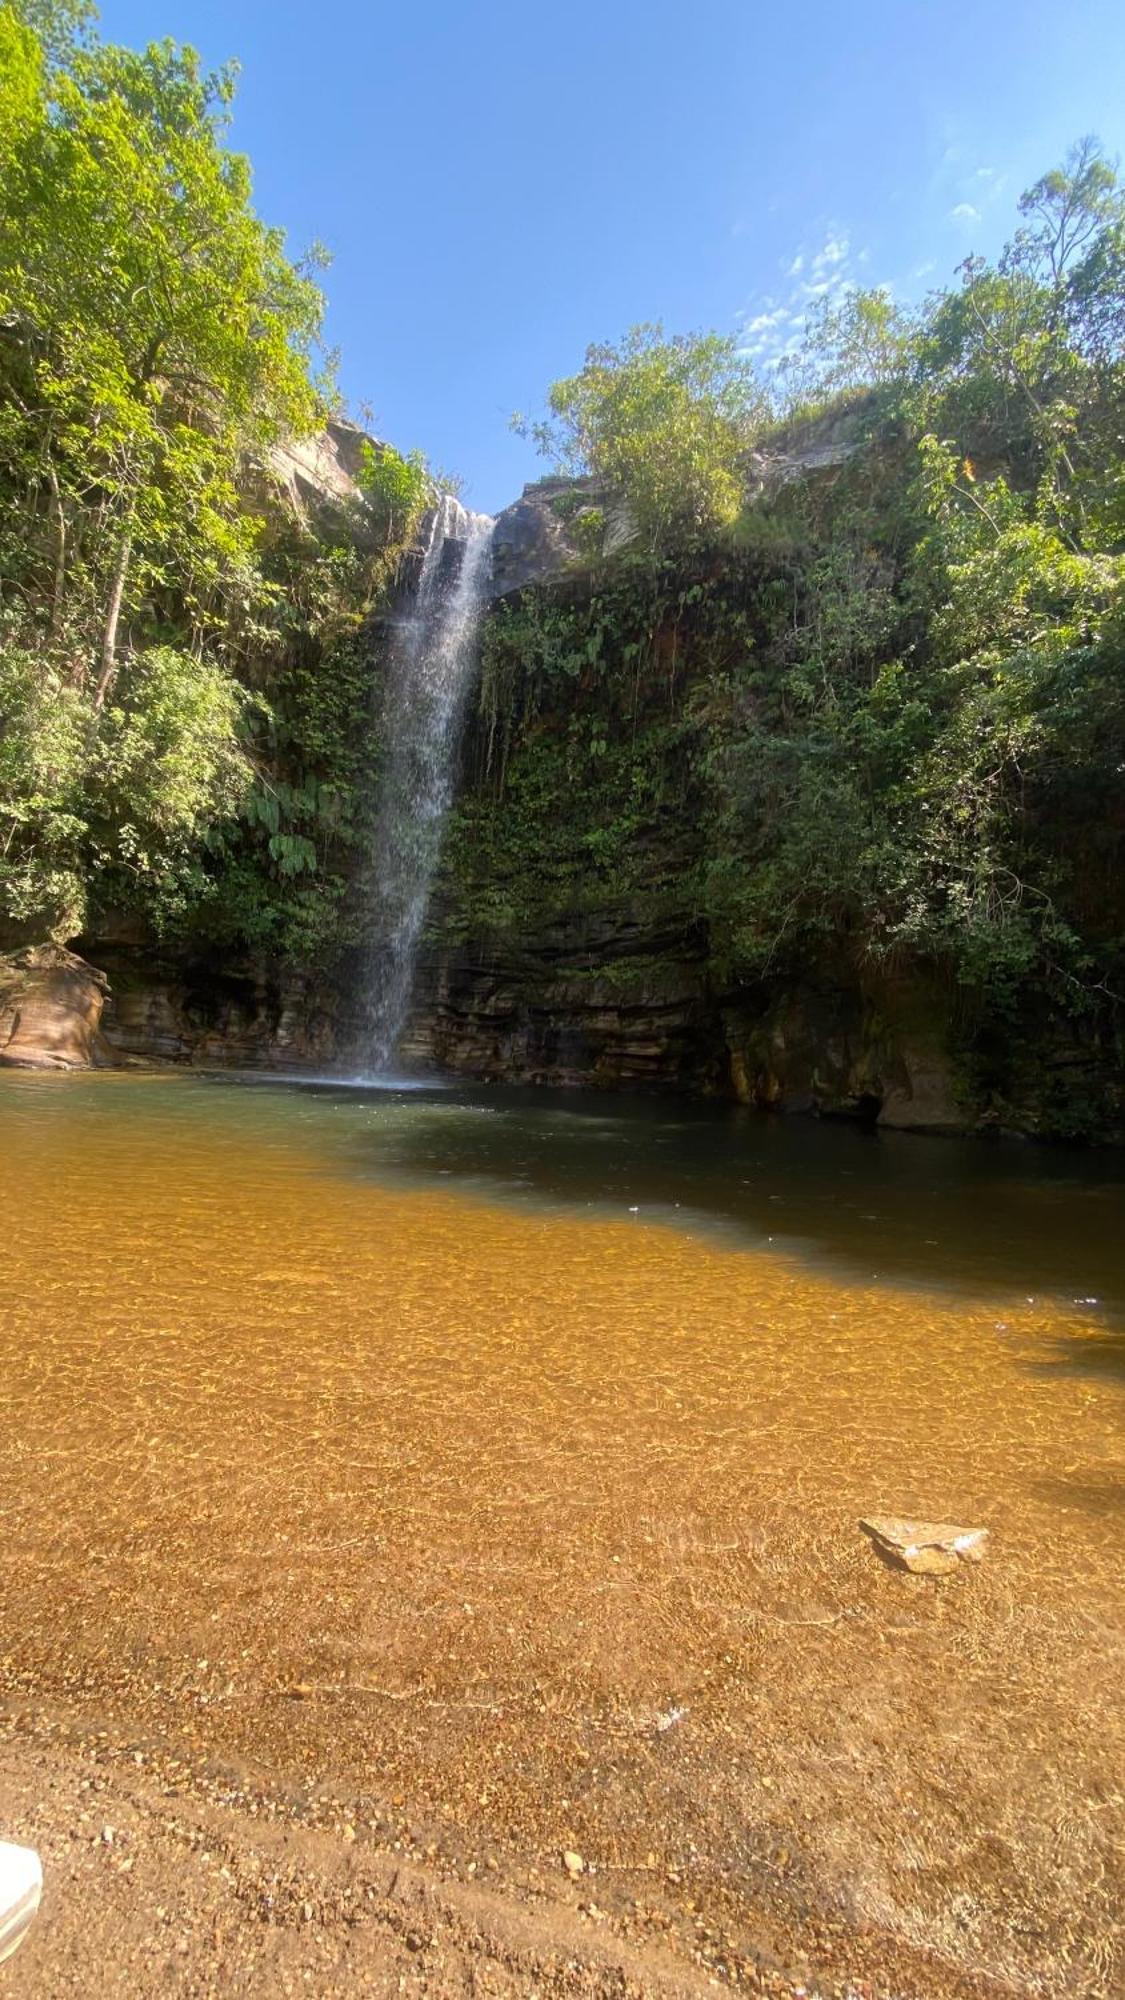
x: 156, y: 345
x: 664, y: 420
x: 154, y: 333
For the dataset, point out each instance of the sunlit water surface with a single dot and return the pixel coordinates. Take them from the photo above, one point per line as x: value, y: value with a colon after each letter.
x: 525, y: 1438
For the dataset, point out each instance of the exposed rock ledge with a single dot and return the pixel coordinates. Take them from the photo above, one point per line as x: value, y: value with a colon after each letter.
x: 544, y: 536
x: 50, y: 1008
x: 539, y: 537
x: 324, y: 470
x: 617, y: 1005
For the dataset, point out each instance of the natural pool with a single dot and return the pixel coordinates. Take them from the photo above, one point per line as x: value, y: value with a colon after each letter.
x: 490, y: 1463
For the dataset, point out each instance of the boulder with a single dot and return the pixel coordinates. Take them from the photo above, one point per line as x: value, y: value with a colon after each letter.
x: 922, y: 1095
x: 530, y: 543
x: 50, y: 1008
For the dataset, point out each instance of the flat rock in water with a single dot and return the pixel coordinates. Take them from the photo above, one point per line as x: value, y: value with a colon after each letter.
x: 929, y: 1548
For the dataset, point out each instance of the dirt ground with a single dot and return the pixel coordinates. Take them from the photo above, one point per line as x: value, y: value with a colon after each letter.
x: 165, y: 1890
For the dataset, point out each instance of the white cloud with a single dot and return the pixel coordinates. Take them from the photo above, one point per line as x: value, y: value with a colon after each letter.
x: 835, y: 252
x: 773, y: 327
x: 967, y: 184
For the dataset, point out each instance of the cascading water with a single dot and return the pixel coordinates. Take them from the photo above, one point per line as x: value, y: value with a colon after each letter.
x: 430, y: 664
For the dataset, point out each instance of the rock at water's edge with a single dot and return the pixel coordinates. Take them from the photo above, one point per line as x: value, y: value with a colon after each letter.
x: 50, y: 1008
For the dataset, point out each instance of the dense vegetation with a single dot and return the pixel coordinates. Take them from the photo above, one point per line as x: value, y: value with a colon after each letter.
x: 165, y: 744
x: 880, y: 721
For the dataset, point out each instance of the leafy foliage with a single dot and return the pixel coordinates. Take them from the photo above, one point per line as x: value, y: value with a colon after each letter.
x: 154, y: 332
x: 124, y: 798
x: 177, y: 647
x: 884, y: 724
x: 665, y: 422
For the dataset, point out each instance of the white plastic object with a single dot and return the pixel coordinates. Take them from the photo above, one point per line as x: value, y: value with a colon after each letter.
x: 21, y: 1885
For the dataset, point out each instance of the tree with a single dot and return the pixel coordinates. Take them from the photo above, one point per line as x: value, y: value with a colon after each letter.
x: 863, y: 340
x: 123, y: 800
x: 1022, y: 362
x: 1065, y: 210
x: 156, y: 343
x: 664, y: 421
x: 155, y: 333
x: 59, y: 26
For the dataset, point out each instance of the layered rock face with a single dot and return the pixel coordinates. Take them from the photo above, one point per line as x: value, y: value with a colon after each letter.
x: 51, y: 1005
x: 192, y: 1010
x: 59, y: 1011
x: 603, y: 1001
x: 607, y: 1003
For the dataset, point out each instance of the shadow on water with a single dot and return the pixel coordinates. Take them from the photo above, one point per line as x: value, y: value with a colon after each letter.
x: 986, y: 1218
x: 1101, y: 1494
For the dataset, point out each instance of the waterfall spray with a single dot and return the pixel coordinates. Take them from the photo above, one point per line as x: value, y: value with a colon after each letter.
x: 429, y: 668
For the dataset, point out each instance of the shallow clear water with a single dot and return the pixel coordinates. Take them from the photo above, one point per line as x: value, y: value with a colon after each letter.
x: 506, y: 1427
x: 1009, y: 1217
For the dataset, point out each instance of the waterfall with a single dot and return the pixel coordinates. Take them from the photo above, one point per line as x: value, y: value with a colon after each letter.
x: 430, y: 663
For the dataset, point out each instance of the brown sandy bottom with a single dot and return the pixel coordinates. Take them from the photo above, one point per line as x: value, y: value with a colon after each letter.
x: 366, y: 1550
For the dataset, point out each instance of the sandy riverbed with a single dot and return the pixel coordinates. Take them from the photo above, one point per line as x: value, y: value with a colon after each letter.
x: 367, y: 1549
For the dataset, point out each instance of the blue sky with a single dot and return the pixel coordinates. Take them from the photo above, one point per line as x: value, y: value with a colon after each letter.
x: 500, y: 183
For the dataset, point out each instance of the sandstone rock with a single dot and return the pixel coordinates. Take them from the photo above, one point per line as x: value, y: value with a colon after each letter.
x: 239, y: 1014
x: 530, y: 543
x: 535, y: 539
x: 322, y: 470
x: 921, y: 1093
x: 50, y: 1008
x: 928, y: 1548
x: 808, y: 448
x: 605, y: 1001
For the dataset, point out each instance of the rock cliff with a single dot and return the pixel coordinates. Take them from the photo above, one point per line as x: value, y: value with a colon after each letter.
x: 610, y: 1003
x: 574, y: 952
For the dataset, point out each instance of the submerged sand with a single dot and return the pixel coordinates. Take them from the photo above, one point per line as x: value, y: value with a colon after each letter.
x: 368, y: 1549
